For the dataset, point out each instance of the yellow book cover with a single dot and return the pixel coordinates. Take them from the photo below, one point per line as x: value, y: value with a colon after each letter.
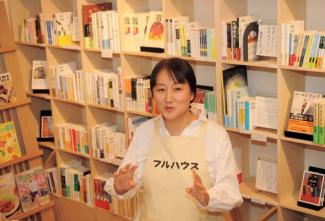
x: 9, y: 146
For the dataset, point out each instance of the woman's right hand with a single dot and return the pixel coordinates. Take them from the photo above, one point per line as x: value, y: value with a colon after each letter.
x: 123, y: 179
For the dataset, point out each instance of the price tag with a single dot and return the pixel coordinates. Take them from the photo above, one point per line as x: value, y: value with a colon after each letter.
x: 258, y: 137
x: 107, y: 53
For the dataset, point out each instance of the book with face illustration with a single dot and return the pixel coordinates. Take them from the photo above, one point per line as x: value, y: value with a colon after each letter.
x: 7, y: 92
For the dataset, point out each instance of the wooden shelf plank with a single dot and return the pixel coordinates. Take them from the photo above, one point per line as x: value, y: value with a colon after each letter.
x: 98, y: 50
x: 271, y: 64
x: 71, y: 48
x: 290, y: 202
x: 74, y: 153
x: 144, y: 54
x: 302, y: 69
x: 300, y: 141
x: 69, y: 101
x: 207, y: 60
x: 268, y: 133
x: 30, y: 44
x: 5, y: 106
x: 141, y: 113
x: 47, y: 144
x: 115, y: 161
x: 105, y: 107
x: 23, y: 215
x: 7, y: 49
x: 248, y: 191
x: 23, y: 158
x: 42, y: 96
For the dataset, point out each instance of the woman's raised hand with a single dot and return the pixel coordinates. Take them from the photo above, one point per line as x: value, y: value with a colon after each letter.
x: 123, y: 179
x: 198, y: 191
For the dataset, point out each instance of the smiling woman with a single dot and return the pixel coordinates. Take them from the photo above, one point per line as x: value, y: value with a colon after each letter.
x: 182, y: 162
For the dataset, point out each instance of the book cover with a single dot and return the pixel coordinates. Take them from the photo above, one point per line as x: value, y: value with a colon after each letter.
x: 39, y: 76
x: 250, y: 38
x: 311, y: 188
x: 9, y: 145
x: 33, y: 188
x: 63, y: 23
x: 9, y: 200
x: 7, y: 93
x: 233, y: 78
x: 154, y: 37
x: 301, y: 115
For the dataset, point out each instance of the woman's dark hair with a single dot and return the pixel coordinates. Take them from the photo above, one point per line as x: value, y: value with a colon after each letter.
x: 180, y: 70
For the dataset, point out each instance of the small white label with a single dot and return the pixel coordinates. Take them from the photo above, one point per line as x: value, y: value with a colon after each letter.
x: 258, y: 137
x: 107, y: 53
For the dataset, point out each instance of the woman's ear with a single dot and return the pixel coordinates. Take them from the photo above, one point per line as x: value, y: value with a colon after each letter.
x: 192, y: 96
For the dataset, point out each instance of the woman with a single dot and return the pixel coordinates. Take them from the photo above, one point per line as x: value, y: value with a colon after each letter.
x: 185, y: 165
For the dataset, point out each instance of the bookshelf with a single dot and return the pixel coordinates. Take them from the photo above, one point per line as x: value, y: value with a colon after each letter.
x: 291, y: 155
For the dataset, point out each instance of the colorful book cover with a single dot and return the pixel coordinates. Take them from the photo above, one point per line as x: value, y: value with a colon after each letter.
x: 311, y: 188
x: 9, y: 146
x: 9, y: 200
x: 6, y: 88
x: 32, y: 188
x: 301, y: 117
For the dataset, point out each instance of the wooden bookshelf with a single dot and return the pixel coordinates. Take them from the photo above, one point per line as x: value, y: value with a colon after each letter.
x: 290, y: 154
x: 21, y: 114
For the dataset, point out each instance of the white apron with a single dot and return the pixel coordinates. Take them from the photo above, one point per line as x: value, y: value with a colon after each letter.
x: 167, y: 172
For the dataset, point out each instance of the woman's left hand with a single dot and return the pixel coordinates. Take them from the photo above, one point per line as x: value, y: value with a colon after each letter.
x: 198, y: 191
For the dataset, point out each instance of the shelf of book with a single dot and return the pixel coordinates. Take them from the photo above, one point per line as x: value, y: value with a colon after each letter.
x: 70, y: 48
x: 74, y: 153
x: 264, y: 132
x: 76, y: 201
x: 290, y: 202
x: 248, y: 191
x: 30, y: 44
x: 19, y: 103
x: 300, y: 141
x: 271, y: 64
x: 42, y: 96
x: 49, y: 145
x: 69, y: 101
x: 26, y: 157
x: 23, y: 215
x: 302, y: 69
x: 105, y: 108
x: 114, y: 161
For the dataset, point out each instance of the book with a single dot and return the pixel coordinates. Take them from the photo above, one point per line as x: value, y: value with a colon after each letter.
x: 266, y: 176
x: 233, y: 79
x: 154, y: 37
x: 250, y: 38
x: 301, y: 115
x: 266, y: 112
x: 7, y: 93
x: 46, y: 132
x: 33, y: 188
x: 9, y: 145
x: 266, y: 42
x: 9, y: 200
x: 40, y: 83
x: 311, y: 188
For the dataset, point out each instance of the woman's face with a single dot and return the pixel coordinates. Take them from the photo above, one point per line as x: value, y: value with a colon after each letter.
x: 172, y: 98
